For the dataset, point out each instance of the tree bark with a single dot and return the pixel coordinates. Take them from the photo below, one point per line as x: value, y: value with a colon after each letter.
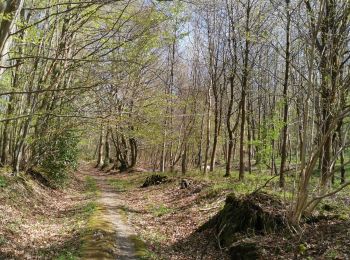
x: 100, y: 149
x: 244, y: 93
x: 285, y: 101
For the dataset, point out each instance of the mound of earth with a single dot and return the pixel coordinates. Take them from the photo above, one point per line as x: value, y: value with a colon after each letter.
x: 155, y: 179
x: 246, y: 251
x: 41, y: 178
x: 257, y: 213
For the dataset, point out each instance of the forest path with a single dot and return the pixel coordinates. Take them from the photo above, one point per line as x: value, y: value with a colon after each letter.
x: 108, y: 199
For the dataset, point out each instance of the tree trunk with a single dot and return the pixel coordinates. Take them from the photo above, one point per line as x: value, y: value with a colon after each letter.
x: 229, y: 129
x: 216, y: 133
x: 107, y: 157
x: 244, y: 94
x: 200, y: 146
x: 184, y: 161
x: 285, y: 97
x: 133, y: 152
x: 208, y: 132
x: 100, y: 150
x: 11, y: 11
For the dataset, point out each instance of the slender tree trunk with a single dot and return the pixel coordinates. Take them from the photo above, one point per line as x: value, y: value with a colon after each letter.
x: 285, y: 97
x: 244, y: 94
x: 184, y: 160
x: 5, y: 133
x: 229, y: 129
x: 100, y: 150
x: 216, y: 133
x: 206, y: 158
x: 106, y: 159
x: 249, y: 135
x: 200, y: 145
x: 133, y: 152
x: 10, y: 13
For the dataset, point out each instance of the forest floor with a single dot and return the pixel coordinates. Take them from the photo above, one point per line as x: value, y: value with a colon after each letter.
x: 37, y: 222
x: 103, y: 215
x: 169, y: 219
x: 82, y: 220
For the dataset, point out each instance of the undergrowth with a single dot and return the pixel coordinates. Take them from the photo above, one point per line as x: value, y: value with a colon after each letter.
x: 160, y: 210
x: 90, y: 185
x: 120, y: 185
x: 3, y: 182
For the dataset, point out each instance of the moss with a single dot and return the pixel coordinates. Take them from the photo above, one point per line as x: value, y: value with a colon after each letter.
x: 140, y: 246
x: 98, y: 240
x: 141, y: 249
x: 123, y: 213
x: 3, y: 182
x: 67, y: 255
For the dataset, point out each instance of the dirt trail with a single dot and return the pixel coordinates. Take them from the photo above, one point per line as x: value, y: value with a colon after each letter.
x: 108, y: 198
